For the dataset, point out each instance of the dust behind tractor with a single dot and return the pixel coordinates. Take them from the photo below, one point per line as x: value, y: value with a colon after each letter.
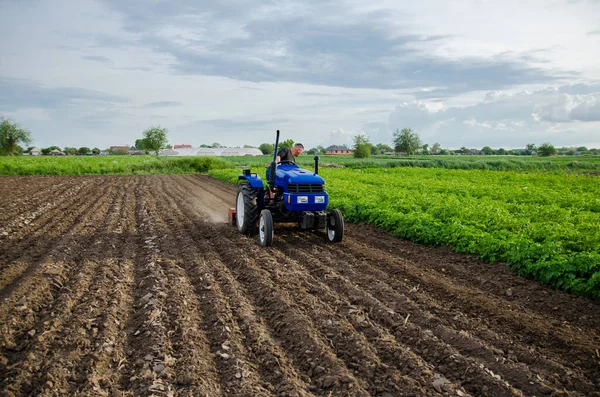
x: 292, y: 195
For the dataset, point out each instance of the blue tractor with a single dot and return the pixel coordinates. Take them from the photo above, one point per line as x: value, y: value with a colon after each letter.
x: 292, y: 195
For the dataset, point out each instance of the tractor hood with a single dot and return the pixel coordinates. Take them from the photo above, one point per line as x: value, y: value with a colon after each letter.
x: 291, y: 173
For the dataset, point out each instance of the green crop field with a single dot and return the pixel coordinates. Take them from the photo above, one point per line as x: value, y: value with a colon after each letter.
x: 544, y: 225
x: 499, y: 163
x: 91, y: 165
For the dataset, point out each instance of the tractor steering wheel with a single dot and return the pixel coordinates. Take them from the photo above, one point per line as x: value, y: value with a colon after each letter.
x: 287, y: 162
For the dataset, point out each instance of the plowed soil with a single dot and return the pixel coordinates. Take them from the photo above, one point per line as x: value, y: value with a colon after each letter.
x: 135, y: 285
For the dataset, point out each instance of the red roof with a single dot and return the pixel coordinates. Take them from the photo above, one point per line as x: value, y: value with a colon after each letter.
x: 182, y: 146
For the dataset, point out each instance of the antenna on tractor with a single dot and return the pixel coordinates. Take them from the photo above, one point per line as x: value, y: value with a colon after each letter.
x: 271, y: 180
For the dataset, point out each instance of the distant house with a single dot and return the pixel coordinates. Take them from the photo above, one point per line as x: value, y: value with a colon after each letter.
x: 123, y: 149
x: 182, y: 147
x: 337, y: 149
x: 35, y: 152
x: 56, y: 152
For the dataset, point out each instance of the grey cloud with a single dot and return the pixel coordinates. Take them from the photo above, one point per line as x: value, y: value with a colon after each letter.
x: 571, y: 108
x: 232, y: 124
x: 587, y: 110
x: 318, y: 94
x: 350, y: 50
x: 580, y: 89
x: 162, y: 104
x: 96, y: 58
x: 137, y: 68
x: 245, y: 87
x: 17, y: 93
x: 100, y: 118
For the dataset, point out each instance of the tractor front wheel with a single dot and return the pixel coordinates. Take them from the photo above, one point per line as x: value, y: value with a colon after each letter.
x: 335, y: 226
x: 265, y: 228
x: 246, y: 209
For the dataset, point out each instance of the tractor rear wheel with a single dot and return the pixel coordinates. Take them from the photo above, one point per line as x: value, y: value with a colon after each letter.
x: 335, y: 226
x: 265, y: 228
x: 246, y: 209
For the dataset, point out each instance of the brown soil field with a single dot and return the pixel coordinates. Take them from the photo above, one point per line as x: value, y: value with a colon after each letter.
x: 136, y: 286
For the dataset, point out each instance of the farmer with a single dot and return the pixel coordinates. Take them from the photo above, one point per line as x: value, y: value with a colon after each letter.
x: 289, y: 154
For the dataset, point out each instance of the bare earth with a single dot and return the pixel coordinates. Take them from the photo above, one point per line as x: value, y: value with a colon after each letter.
x: 134, y: 285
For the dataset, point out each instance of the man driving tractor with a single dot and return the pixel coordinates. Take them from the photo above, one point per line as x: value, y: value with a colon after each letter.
x: 289, y: 154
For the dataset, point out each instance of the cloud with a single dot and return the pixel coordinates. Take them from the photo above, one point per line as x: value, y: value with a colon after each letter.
x: 503, y: 117
x: 473, y: 123
x: 286, y: 43
x: 228, y: 125
x: 19, y: 93
x: 566, y: 108
x: 96, y: 58
x: 162, y: 104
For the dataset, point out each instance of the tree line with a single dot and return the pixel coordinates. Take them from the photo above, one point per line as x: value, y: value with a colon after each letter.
x: 405, y: 142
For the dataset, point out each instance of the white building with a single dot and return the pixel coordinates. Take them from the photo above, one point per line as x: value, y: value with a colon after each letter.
x: 211, y: 152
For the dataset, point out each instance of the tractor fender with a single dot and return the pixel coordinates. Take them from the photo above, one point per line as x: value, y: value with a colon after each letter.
x: 257, y: 184
x: 254, y: 180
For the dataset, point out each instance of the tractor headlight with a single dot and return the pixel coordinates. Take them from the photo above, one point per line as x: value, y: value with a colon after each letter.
x: 302, y: 199
x: 319, y: 199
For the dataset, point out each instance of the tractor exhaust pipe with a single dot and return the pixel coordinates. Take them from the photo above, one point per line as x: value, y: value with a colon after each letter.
x: 316, y: 165
x: 271, y: 180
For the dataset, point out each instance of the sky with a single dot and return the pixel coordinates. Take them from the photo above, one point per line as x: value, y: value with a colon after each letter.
x: 467, y: 73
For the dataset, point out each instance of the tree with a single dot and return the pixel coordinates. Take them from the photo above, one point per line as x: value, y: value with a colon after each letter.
x: 140, y: 144
x: 382, y: 148
x: 96, y: 151
x: 425, y: 149
x: 287, y: 143
x: 406, y: 141
x: 83, y: 151
x: 71, y: 151
x: 362, y: 147
x: 435, y: 149
x: 444, y: 152
x: 266, y: 148
x: 156, y: 139
x: 487, y: 150
x: 216, y: 145
x: 501, y: 151
x: 530, y: 148
x: 46, y: 151
x: 321, y: 150
x: 11, y: 134
x: 546, y: 149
